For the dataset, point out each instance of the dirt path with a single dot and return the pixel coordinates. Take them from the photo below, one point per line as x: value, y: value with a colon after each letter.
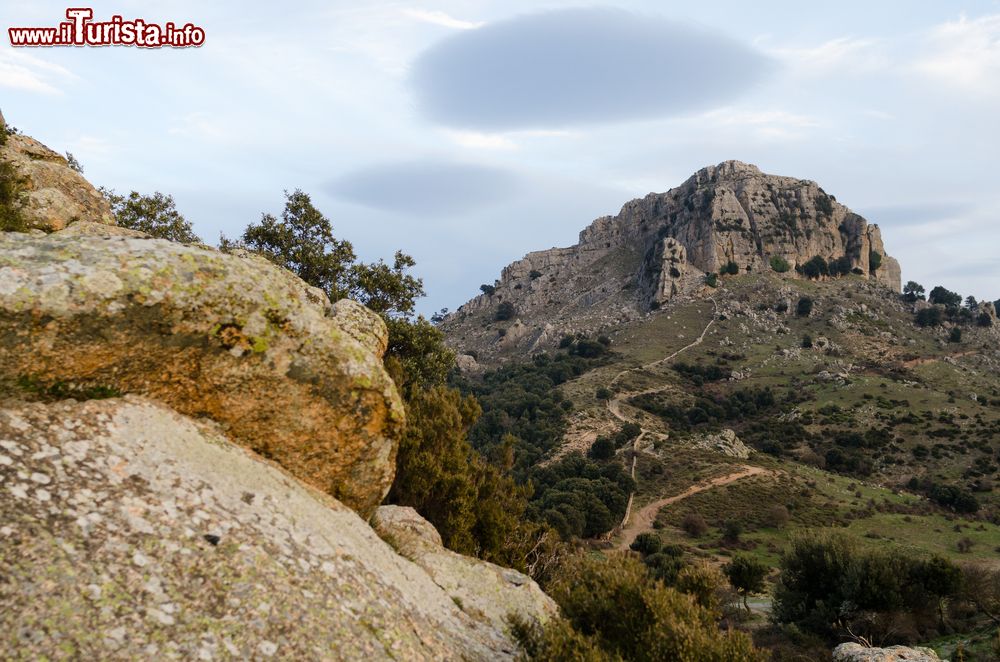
x: 643, y: 519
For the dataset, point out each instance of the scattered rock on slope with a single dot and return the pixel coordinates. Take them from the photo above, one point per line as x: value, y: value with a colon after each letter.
x: 853, y: 652
x: 128, y: 531
x: 234, y: 339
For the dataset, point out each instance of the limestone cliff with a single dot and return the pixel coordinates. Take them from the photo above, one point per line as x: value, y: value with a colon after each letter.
x: 661, y: 246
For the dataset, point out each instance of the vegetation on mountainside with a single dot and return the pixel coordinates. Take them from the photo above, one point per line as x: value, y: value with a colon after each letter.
x: 154, y: 214
x: 614, y: 610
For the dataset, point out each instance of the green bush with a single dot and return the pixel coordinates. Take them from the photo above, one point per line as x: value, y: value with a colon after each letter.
x: 488, y: 290
x: 505, y: 311
x: 955, y: 335
x: 628, y: 616
x: 779, y: 264
x: 945, y: 297
x: 11, y: 218
x: 730, y: 268
x: 534, y: 273
x: 602, y: 449
x: 746, y: 574
x: 815, y: 268
x: 929, y: 317
x: 602, y: 393
x: 647, y: 543
x: 874, y: 261
x: 154, y: 214
x: 712, y: 280
x: 804, y: 307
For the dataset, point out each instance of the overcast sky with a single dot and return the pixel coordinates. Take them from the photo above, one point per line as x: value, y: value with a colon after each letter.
x: 469, y: 133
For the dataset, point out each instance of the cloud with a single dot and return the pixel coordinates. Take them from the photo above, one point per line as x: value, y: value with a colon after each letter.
x: 580, y: 66
x: 835, y: 55
x: 426, y: 187
x: 440, y: 18
x: 23, y: 71
x: 965, y: 54
x: 910, y: 214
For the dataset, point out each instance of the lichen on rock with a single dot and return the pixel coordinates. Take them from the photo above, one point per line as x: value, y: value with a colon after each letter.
x: 230, y: 338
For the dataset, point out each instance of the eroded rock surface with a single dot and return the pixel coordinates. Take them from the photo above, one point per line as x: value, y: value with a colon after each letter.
x: 853, y: 652
x: 55, y: 195
x: 485, y: 591
x: 129, y: 532
x: 234, y: 339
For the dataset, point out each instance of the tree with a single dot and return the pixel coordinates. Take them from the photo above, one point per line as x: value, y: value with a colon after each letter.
x: 955, y: 335
x: 804, y: 307
x: 603, y: 393
x: 302, y: 241
x: 807, y: 341
x: 488, y: 290
x: 154, y: 214
x: 746, y: 574
x: 646, y: 543
x: 971, y: 303
x: 945, y: 297
x: 11, y: 191
x: 913, y: 291
x: 779, y: 264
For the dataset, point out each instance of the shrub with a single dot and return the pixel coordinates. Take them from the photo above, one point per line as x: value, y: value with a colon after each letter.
x: 815, y: 268
x: 11, y: 218
x: 984, y: 320
x: 712, y: 280
x: 777, y: 516
x: 840, y: 267
x: 929, y: 317
x: 779, y: 264
x: 73, y: 163
x: 602, y: 449
x: 488, y: 290
x: 955, y: 335
x: 534, y: 273
x: 804, y: 307
x: 505, y: 311
x: 732, y: 530
x: 647, y: 543
x: 694, y: 525
x: 874, y: 261
x: 603, y: 393
x: 730, y: 268
x: 807, y: 341
x: 629, y: 616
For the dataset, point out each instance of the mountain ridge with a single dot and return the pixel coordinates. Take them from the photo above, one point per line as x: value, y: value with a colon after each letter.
x: 730, y: 216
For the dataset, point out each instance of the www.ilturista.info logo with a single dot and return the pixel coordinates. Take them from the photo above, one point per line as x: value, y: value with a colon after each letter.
x: 81, y: 30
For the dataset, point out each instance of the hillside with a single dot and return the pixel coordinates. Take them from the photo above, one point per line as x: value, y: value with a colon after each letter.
x: 726, y: 217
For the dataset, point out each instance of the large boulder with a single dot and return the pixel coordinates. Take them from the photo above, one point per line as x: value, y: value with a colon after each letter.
x: 483, y: 590
x: 55, y: 195
x: 230, y: 338
x: 128, y: 532
x: 854, y: 652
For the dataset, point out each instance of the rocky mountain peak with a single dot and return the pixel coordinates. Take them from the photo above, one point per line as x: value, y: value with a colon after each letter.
x: 727, y: 217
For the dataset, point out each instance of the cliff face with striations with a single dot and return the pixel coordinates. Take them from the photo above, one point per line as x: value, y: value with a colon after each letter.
x: 661, y: 246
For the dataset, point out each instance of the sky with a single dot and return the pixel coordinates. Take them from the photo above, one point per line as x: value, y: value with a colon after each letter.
x: 468, y: 133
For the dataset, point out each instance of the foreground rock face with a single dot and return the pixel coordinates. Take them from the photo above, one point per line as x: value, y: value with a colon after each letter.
x: 853, y: 652
x: 55, y: 195
x: 128, y: 531
x: 486, y: 591
x: 660, y: 247
x: 234, y: 339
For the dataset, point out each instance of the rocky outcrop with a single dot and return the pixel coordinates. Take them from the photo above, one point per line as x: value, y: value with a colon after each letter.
x: 660, y: 247
x: 485, y: 591
x: 128, y: 531
x: 852, y: 652
x: 230, y: 338
x: 725, y: 442
x: 54, y: 195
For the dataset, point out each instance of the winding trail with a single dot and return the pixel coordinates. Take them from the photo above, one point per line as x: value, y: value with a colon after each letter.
x: 644, y: 518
